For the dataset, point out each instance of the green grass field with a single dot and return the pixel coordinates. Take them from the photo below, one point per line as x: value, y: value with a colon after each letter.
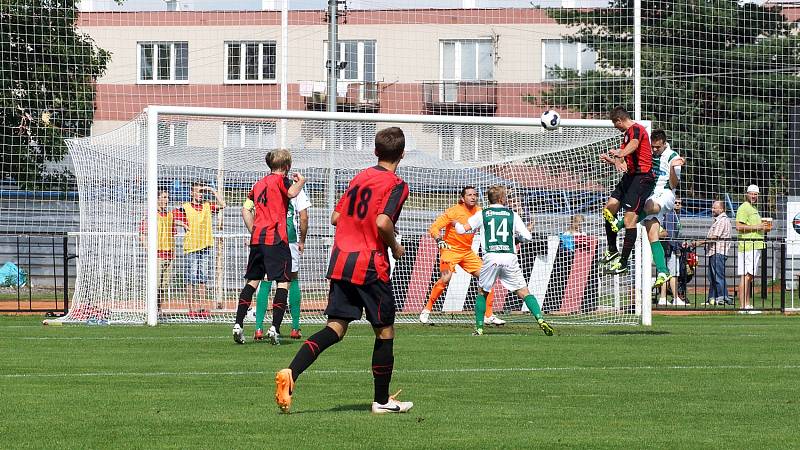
x: 686, y: 382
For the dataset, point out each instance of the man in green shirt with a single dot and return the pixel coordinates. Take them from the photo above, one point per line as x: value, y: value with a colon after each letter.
x: 751, y: 231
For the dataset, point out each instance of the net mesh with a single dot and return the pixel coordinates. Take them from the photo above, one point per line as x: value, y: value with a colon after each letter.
x: 553, y: 176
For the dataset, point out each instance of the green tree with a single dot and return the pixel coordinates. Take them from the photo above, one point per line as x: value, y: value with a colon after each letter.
x: 47, y: 90
x: 720, y: 76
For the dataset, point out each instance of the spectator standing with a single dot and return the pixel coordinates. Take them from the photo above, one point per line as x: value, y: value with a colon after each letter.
x: 717, y: 246
x: 751, y: 231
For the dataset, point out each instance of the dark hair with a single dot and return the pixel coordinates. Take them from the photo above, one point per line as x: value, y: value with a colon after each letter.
x: 466, y: 188
x: 197, y: 184
x: 390, y: 144
x: 658, y: 135
x: 619, y: 113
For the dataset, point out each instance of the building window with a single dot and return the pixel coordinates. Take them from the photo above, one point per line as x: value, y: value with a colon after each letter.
x: 359, y: 59
x: 467, y: 60
x: 355, y: 136
x: 172, y: 134
x: 559, y: 53
x: 163, y: 62
x: 250, y: 134
x: 250, y: 62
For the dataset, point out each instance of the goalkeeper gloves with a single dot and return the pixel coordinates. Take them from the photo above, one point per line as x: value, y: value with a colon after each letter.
x: 442, y: 244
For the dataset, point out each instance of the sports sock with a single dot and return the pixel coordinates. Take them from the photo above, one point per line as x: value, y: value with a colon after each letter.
x: 533, y: 306
x: 627, y: 245
x: 658, y: 257
x: 611, y: 237
x: 311, y: 349
x: 261, y: 302
x: 489, y: 301
x: 279, y: 308
x: 382, y: 367
x: 245, y: 299
x: 436, y: 291
x: 294, y: 303
x: 621, y: 223
x: 480, y: 310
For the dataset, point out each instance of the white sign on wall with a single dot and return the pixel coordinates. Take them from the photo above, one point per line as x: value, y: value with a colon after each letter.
x: 793, y: 226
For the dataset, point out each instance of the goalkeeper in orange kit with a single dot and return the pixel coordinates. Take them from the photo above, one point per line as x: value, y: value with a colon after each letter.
x: 456, y: 250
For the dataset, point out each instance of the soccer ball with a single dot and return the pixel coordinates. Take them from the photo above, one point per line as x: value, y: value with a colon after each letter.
x: 550, y: 120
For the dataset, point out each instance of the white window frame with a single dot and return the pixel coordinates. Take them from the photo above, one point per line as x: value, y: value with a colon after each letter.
x: 457, y: 56
x: 243, y: 63
x: 581, y: 47
x: 172, y: 62
x: 263, y: 130
x: 361, y: 59
x: 172, y: 131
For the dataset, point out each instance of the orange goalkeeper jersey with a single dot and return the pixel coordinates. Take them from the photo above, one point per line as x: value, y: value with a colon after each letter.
x: 459, y: 213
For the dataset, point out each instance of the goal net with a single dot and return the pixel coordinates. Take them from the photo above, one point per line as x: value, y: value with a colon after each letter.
x: 557, y: 184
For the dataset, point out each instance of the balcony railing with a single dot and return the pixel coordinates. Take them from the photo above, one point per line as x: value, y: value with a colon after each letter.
x: 351, y: 96
x: 460, y: 97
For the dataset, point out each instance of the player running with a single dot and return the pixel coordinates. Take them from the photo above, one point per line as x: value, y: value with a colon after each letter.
x: 365, y: 220
x: 632, y: 190
x: 662, y: 201
x: 269, y: 257
x: 501, y: 227
x: 456, y: 250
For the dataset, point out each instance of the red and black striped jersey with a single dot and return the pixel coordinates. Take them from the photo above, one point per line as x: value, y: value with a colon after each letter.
x: 359, y: 254
x: 271, y: 197
x: 641, y: 159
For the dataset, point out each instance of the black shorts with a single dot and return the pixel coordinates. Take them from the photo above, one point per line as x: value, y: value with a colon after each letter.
x: 273, y: 262
x: 347, y: 301
x: 632, y: 190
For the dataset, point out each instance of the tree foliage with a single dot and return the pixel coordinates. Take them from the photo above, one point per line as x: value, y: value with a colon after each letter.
x: 46, y: 88
x: 718, y: 75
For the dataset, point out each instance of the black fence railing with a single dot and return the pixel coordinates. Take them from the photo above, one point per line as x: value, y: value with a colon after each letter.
x: 47, y: 270
x: 715, y: 284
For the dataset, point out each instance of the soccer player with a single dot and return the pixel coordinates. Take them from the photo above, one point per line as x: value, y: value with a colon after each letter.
x: 632, y: 190
x: 197, y: 243
x: 456, y: 250
x: 365, y: 220
x: 662, y: 201
x: 296, y: 229
x: 270, y: 256
x: 501, y: 226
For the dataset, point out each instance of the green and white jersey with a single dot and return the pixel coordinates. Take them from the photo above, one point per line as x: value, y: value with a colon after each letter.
x: 661, y: 168
x: 297, y: 204
x: 501, y: 226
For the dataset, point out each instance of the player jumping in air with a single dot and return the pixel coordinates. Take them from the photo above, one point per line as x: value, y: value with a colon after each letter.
x: 269, y: 257
x: 456, y: 250
x: 501, y: 227
x: 365, y: 220
x: 662, y: 201
x: 632, y: 190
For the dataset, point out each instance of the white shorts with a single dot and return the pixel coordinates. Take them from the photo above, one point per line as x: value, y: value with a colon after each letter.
x: 294, y: 247
x: 748, y: 262
x: 506, y: 268
x: 665, y: 199
x: 672, y: 264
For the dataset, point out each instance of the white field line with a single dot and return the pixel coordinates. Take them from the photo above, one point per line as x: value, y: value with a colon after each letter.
x: 409, y: 371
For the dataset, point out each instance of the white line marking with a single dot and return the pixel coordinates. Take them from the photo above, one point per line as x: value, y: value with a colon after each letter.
x: 411, y: 371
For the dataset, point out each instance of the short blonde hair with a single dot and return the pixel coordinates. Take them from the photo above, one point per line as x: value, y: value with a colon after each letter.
x: 496, y: 193
x: 278, y: 159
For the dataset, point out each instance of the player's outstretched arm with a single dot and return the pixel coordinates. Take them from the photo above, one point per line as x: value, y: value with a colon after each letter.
x: 521, y: 230
x: 220, y: 201
x: 436, y: 227
x: 248, y: 215
x: 675, y: 167
x: 474, y: 223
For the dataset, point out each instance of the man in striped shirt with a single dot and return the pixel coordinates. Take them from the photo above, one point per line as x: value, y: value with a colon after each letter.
x: 716, y: 250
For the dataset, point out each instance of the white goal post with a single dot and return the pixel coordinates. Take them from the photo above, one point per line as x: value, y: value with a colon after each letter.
x: 556, y: 176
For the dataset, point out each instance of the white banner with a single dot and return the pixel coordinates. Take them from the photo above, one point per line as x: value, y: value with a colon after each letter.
x: 793, y: 227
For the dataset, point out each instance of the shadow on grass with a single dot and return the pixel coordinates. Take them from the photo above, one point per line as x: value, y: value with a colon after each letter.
x: 359, y: 407
x: 634, y: 332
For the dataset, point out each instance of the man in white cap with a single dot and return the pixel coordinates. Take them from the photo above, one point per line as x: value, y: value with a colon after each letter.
x: 751, y: 231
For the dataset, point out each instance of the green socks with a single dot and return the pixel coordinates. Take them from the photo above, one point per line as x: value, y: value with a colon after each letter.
x: 639, y: 219
x: 262, y: 299
x: 480, y: 310
x: 533, y: 306
x: 294, y: 303
x: 261, y: 302
x: 658, y: 257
